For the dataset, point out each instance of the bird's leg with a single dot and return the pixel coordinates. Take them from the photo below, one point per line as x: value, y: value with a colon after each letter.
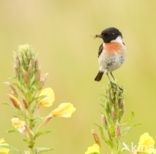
x: 115, y: 81
x: 112, y: 76
x: 107, y: 73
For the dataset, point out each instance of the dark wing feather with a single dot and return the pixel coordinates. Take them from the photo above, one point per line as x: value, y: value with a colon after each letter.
x: 100, y: 50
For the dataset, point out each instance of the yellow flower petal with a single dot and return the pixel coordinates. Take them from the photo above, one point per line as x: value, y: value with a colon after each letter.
x: 2, y: 140
x: 64, y: 110
x: 94, y: 149
x: 4, y: 150
x: 4, y: 147
x: 48, y: 97
x: 146, y: 143
x: 20, y: 125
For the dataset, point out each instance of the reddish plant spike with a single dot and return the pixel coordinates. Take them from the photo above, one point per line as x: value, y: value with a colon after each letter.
x: 96, y: 137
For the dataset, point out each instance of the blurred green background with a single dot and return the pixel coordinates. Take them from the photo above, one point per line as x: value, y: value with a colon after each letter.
x: 61, y: 31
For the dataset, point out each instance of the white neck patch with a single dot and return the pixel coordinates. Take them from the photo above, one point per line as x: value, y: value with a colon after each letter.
x: 118, y: 40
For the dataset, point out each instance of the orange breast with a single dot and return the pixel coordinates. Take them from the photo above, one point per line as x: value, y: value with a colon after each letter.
x: 113, y: 47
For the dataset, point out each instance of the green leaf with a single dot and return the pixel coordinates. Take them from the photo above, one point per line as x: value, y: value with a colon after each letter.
x: 43, y: 149
x: 125, y: 130
x: 4, y: 145
x: 26, y: 140
x: 27, y: 152
x: 14, y: 150
x: 12, y: 131
x: 40, y: 133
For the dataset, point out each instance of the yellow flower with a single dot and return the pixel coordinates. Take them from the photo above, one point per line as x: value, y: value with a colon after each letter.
x: 146, y: 144
x: 4, y: 147
x: 94, y: 149
x: 64, y: 110
x: 47, y: 97
x: 20, y: 125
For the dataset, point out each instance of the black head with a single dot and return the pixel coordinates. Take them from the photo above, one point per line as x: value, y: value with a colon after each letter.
x: 109, y: 34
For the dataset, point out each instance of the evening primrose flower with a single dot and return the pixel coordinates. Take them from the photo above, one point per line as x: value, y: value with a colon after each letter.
x: 47, y: 97
x: 4, y: 147
x: 64, y: 110
x: 20, y: 125
x: 94, y: 149
x: 146, y: 144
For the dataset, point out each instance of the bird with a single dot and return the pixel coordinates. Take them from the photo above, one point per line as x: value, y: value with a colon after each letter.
x: 111, y: 54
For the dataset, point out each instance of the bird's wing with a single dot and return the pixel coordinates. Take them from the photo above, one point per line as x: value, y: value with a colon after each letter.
x: 100, y: 50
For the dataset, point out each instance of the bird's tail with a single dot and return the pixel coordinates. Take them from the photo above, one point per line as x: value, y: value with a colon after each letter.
x: 99, y: 76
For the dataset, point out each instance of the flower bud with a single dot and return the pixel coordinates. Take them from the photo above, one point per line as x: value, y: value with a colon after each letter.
x: 96, y: 137
x: 118, y: 131
x: 16, y: 103
x: 104, y: 120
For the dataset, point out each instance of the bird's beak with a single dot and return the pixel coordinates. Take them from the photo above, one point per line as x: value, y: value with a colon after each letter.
x: 98, y: 36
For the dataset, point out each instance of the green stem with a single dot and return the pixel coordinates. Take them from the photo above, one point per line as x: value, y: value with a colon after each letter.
x: 33, y: 151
